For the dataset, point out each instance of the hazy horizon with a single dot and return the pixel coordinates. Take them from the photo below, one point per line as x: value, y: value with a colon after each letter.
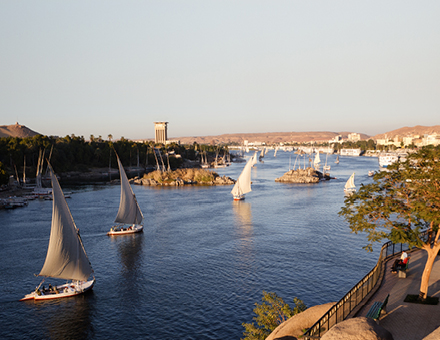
x: 220, y: 67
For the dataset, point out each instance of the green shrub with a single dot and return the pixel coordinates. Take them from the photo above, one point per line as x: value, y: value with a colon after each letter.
x: 270, y: 313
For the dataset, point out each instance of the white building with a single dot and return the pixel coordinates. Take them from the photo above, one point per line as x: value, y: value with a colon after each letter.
x: 354, y: 137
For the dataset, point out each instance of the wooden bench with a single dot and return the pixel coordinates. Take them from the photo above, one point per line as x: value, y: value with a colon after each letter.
x: 402, y: 270
x: 377, y: 308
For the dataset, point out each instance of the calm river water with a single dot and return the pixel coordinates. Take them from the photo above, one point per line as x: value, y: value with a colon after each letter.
x: 201, y: 263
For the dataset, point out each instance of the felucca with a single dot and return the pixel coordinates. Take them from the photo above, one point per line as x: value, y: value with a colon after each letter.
x: 66, y: 257
x: 129, y: 217
x: 349, y: 186
x: 243, y: 184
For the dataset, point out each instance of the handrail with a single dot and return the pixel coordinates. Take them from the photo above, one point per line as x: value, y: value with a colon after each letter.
x: 339, y: 311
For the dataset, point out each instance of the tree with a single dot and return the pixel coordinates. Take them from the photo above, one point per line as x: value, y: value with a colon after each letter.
x: 399, y: 205
x: 4, y: 178
x: 271, y: 313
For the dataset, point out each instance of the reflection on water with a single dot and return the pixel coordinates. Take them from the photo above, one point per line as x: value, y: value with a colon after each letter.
x: 129, y: 249
x: 68, y: 318
x: 243, y: 216
x: 244, y: 235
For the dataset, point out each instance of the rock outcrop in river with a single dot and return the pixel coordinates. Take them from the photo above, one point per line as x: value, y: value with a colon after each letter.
x: 183, y: 177
x: 308, y: 175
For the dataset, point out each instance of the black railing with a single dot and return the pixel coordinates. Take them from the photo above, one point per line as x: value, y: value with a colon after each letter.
x: 339, y: 311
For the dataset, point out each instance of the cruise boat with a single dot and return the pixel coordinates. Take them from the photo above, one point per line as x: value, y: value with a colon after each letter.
x: 350, y: 152
x: 388, y: 158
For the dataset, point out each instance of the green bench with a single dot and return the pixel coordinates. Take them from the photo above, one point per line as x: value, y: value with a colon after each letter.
x: 377, y: 308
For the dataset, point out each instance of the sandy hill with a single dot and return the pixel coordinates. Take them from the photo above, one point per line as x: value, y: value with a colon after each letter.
x: 410, y: 131
x: 269, y: 137
x: 16, y: 130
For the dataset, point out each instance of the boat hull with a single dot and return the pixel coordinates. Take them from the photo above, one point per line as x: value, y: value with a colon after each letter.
x: 124, y: 231
x: 61, y: 291
x: 239, y: 198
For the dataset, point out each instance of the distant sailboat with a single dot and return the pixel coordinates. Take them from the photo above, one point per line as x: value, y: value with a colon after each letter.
x: 66, y: 257
x: 129, y: 217
x: 261, y: 156
x: 254, y: 159
x: 243, y: 184
x: 349, y: 186
x: 317, y: 161
x: 39, y: 190
x: 326, y: 166
x: 337, y: 159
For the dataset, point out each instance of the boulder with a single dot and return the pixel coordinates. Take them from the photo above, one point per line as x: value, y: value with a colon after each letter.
x: 357, y: 329
x: 434, y: 335
x: 294, y: 327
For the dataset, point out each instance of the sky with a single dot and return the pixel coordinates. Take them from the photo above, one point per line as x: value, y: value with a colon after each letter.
x: 216, y: 67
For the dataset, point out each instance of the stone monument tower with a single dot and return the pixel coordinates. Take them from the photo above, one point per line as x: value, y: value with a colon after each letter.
x: 160, y: 132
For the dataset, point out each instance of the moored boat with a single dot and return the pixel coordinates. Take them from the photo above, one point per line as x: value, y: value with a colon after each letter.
x: 388, y: 158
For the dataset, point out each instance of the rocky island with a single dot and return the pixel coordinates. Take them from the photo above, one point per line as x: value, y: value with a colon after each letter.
x: 308, y: 175
x: 183, y: 177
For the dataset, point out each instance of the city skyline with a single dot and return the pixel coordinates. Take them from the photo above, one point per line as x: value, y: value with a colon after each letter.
x: 212, y: 68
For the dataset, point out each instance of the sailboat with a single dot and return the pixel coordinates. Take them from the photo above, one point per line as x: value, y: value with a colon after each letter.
x: 326, y: 167
x: 243, y: 184
x: 66, y: 257
x: 129, y: 217
x: 317, y: 160
x: 261, y: 156
x: 349, y: 186
x: 39, y: 190
x: 337, y: 159
x: 254, y: 158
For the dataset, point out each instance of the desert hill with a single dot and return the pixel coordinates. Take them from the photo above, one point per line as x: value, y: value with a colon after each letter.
x: 16, y: 130
x: 410, y: 131
x: 269, y: 137
x: 22, y: 131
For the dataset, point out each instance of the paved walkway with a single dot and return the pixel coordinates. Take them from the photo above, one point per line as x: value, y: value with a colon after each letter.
x: 408, y: 321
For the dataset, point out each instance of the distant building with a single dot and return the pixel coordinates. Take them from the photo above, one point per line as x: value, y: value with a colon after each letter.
x: 160, y: 132
x: 337, y: 139
x: 354, y: 137
x: 433, y: 139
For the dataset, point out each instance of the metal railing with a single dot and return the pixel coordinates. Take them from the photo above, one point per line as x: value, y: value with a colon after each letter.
x: 339, y: 311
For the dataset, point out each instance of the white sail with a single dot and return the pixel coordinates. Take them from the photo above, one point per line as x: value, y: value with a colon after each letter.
x: 129, y: 211
x: 317, y: 159
x: 349, y: 186
x: 66, y: 257
x: 243, y: 184
x: 254, y: 159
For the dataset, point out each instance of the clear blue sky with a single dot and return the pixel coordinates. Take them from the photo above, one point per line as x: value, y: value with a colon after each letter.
x: 214, y: 67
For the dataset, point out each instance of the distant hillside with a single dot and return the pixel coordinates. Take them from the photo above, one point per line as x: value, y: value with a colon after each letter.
x: 16, y: 130
x: 268, y: 137
x: 409, y: 131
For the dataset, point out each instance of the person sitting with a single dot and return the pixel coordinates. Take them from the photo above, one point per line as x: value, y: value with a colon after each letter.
x: 400, y: 263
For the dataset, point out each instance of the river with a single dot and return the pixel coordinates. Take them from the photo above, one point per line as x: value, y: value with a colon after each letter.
x: 201, y: 263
